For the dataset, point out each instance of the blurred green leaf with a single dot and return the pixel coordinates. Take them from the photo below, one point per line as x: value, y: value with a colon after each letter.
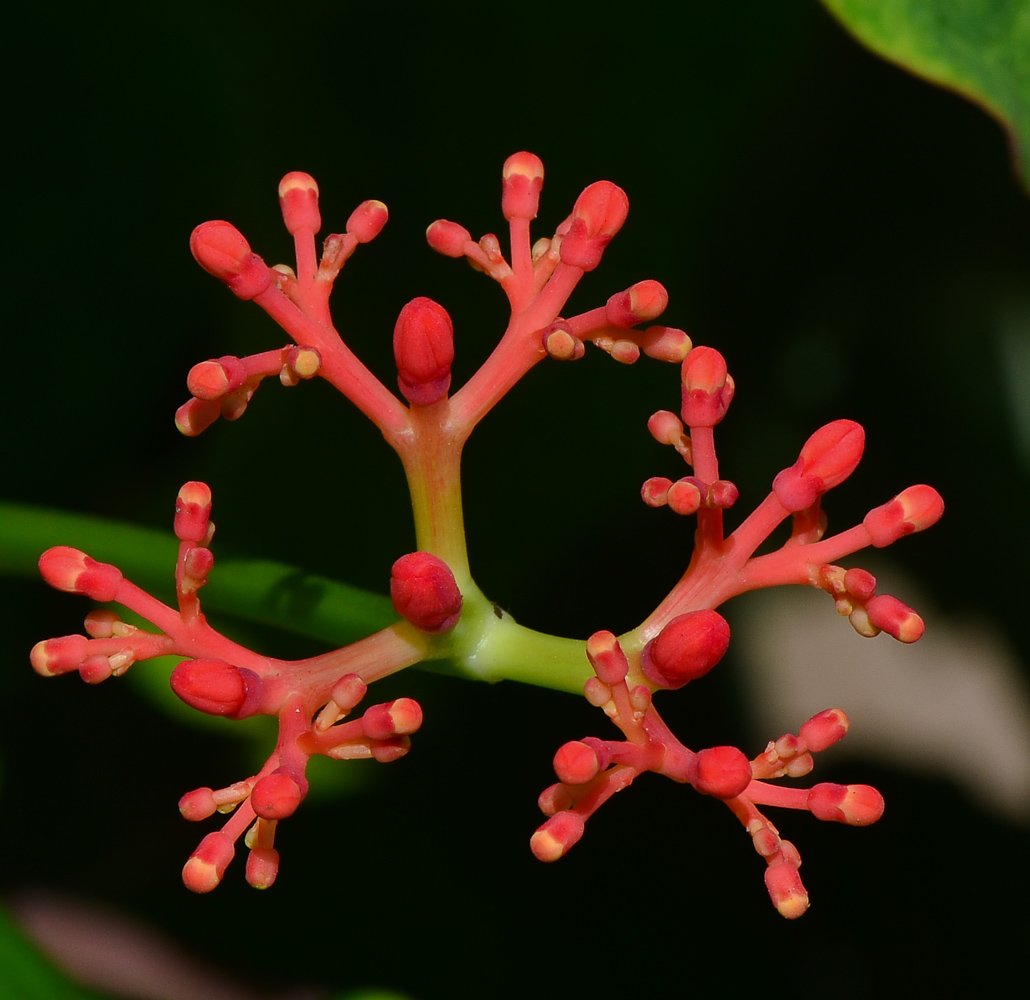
x: 26, y: 974
x: 980, y: 48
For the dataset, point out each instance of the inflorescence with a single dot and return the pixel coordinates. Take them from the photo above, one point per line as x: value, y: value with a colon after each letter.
x: 442, y: 613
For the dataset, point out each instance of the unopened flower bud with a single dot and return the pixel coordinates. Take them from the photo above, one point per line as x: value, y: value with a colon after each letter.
x: 196, y: 415
x: 72, y: 571
x: 686, y: 495
x: 576, y: 763
x: 895, y: 618
x: 193, y: 512
x: 448, y: 238
x: 198, y: 804
x: 597, y: 216
x: 276, y: 796
x: 561, y: 343
x: 424, y: 592
x: 860, y: 583
x: 856, y: 805
x: 722, y: 772
x: 665, y: 343
x: 523, y: 177
x: 395, y: 718
x: 208, y: 862
x: 221, y: 250
x: 298, y: 197
x: 786, y: 889
x: 686, y: 649
x: 367, y: 220
x: 828, y: 457
x: 665, y: 427
x: 213, y: 379
x: 390, y: 749
x: 217, y: 687
x: 824, y: 729
x: 607, y: 658
x: 554, y: 799
x: 557, y: 835
x: 655, y: 491
x: 262, y: 867
x: 348, y: 691
x: 646, y: 300
x: 423, y: 346
x: 707, y: 387
x: 911, y: 510
x: 59, y: 656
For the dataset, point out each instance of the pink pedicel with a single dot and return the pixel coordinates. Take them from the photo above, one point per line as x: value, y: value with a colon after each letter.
x: 442, y: 614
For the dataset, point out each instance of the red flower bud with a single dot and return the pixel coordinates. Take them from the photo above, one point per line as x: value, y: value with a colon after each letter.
x: 198, y: 804
x: 423, y: 346
x: 72, y: 571
x: 856, y: 805
x: 576, y: 763
x: 424, y: 592
x: 824, y: 729
x: 597, y: 216
x: 276, y: 796
x: 448, y: 238
x: 262, y: 867
x: 786, y: 889
x: 213, y: 379
x: 59, y: 656
x: 193, y: 512
x: 686, y: 649
x: 394, y: 718
x: 367, y: 220
x: 895, y: 618
x: 722, y: 772
x: 557, y: 835
x: 217, y: 687
x: 828, y: 457
x: 208, y: 862
x: 911, y: 510
x: 298, y: 197
x: 707, y: 387
x: 523, y: 177
x: 221, y: 250
x: 607, y: 658
x: 646, y: 300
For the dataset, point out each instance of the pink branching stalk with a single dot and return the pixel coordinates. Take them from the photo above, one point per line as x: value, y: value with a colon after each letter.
x: 442, y: 613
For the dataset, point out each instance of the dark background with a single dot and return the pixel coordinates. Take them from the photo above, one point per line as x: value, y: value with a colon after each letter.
x: 850, y: 237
